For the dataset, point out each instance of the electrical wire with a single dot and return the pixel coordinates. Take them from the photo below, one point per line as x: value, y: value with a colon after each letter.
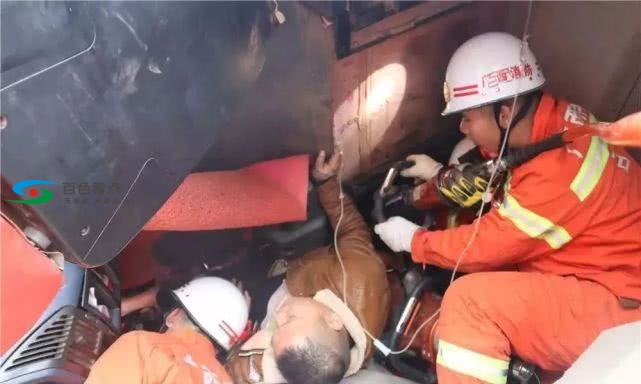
x: 416, y: 333
x: 501, y: 152
x: 376, y: 342
x: 341, y: 197
x: 483, y: 202
x: 384, y: 349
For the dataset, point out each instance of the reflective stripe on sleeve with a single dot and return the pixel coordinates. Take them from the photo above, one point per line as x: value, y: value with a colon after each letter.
x: 471, y: 363
x: 591, y: 170
x: 532, y: 224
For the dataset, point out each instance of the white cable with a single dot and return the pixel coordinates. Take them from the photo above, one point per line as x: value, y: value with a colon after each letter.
x: 501, y: 152
x: 382, y: 347
x: 483, y: 202
x: 379, y: 345
x: 341, y: 197
x: 418, y: 330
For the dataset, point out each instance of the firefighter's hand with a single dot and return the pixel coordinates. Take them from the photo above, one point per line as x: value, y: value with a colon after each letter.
x: 397, y: 233
x: 324, y: 170
x: 424, y: 167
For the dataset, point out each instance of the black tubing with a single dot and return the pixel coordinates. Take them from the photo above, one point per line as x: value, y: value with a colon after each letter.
x: 518, y: 156
x: 405, y: 370
x: 378, y: 212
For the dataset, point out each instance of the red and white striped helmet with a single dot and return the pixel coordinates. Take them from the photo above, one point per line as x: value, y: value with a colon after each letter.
x: 488, y: 68
x: 217, y: 307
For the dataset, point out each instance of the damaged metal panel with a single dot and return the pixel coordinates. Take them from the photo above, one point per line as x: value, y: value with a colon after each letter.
x: 119, y: 100
x: 289, y: 108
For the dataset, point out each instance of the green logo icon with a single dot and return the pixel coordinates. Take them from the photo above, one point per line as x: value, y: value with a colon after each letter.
x: 39, y: 195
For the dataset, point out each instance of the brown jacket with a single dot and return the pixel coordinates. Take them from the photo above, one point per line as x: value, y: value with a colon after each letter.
x: 368, y: 292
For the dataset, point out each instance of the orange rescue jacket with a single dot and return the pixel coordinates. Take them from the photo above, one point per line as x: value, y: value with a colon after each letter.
x: 575, y: 210
x: 175, y: 357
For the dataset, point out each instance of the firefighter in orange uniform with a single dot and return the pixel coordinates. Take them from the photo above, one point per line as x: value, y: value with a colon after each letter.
x: 568, y: 224
x: 209, y: 309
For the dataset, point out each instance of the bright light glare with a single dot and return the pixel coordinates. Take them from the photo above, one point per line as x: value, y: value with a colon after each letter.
x: 385, y: 86
x: 365, y: 114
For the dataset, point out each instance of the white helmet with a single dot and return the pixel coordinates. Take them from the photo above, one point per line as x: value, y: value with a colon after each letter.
x: 217, y: 307
x: 489, y: 68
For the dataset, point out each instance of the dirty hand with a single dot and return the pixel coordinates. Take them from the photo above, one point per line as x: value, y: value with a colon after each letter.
x: 140, y: 301
x: 397, y: 233
x: 324, y: 170
x: 424, y: 167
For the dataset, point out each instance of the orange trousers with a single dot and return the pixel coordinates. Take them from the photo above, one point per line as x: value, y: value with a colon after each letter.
x: 545, y: 319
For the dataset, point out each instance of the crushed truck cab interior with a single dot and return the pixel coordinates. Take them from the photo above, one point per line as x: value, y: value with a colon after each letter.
x: 320, y: 192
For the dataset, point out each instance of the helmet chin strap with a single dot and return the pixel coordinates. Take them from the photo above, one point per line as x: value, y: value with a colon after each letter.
x: 520, y: 114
